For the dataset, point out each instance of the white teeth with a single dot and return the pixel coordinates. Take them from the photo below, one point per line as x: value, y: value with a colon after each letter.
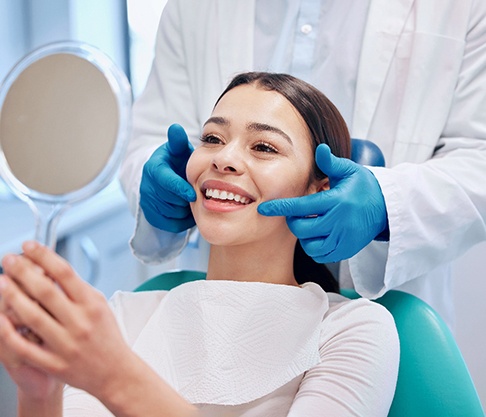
x: 226, y: 195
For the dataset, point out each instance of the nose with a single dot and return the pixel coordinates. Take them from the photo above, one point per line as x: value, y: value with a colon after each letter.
x: 228, y: 160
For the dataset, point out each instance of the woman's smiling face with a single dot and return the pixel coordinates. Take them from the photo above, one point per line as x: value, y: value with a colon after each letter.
x: 255, y: 147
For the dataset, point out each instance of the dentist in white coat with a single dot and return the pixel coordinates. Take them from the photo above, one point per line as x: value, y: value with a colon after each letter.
x: 408, y: 75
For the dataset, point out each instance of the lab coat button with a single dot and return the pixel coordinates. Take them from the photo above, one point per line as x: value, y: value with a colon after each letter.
x: 306, y: 29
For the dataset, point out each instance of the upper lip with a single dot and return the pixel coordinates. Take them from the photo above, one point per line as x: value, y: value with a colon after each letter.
x: 226, y: 186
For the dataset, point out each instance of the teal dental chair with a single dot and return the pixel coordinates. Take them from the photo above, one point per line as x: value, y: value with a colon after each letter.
x: 433, y: 379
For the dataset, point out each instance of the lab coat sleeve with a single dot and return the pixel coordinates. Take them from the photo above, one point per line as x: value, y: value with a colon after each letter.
x: 436, y: 209
x: 166, y: 99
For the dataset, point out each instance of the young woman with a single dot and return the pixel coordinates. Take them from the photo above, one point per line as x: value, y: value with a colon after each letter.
x: 256, y: 338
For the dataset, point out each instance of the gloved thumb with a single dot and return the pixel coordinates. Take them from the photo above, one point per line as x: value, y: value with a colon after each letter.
x: 332, y: 166
x: 178, y: 143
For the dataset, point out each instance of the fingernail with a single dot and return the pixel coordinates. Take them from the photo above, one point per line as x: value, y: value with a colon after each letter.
x: 30, y: 245
x: 8, y: 260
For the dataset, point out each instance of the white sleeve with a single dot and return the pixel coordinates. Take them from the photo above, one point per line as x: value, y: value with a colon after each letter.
x: 358, y: 371
x: 153, y: 246
x: 166, y: 99
x: 436, y: 209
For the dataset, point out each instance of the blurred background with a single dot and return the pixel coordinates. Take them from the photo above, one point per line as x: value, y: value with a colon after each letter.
x: 94, y: 235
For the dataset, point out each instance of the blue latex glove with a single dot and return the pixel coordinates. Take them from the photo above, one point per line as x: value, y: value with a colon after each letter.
x: 336, y: 224
x: 164, y: 191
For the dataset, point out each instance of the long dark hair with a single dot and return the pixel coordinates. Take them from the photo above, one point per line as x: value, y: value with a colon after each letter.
x: 325, y: 125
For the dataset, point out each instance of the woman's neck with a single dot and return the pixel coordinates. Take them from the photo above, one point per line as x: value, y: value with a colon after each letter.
x: 253, y: 263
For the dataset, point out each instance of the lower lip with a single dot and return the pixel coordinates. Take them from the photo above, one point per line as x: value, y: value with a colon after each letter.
x: 222, y: 207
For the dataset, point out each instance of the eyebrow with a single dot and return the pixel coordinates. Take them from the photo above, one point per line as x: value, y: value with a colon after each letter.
x: 217, y: 120
x: 263, y: 127
x: 255, y: 127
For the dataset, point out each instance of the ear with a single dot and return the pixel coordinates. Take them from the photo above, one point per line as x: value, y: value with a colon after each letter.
x: 319, y: 185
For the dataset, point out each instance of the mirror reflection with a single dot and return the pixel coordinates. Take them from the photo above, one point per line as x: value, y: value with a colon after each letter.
x: 50, y: 124
x: 63, y: 128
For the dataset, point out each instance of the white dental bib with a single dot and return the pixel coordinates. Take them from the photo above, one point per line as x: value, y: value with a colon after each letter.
x: 229, y: 343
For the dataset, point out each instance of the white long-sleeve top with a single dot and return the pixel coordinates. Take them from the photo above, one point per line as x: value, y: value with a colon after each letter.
x: 417, y: 89
x: 256, y: 349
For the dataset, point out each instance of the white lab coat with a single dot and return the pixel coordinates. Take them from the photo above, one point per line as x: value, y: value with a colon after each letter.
x: 421, y: 96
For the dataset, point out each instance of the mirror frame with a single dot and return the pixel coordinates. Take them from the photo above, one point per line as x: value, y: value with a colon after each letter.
x: 122, y: 91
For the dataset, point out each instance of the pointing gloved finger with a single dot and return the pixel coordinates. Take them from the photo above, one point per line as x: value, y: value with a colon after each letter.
x: 332, y: 166
x: 173, y: 225
x: 178, y: 143
x: 164, y: 192
x: 157, y: 210
x: 169, y: 200
x: 159, y: 179
x: 169, y: 182
x: 163, y: 208
x: 308, y: 205
x: 178, y: 226
x: 306, y: 227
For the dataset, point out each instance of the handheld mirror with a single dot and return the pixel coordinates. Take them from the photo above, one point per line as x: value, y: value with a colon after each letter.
x: 64, y: 119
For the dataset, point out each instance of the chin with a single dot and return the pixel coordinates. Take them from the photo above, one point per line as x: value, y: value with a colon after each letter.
x: 219, y: 237
x: 232, y: 229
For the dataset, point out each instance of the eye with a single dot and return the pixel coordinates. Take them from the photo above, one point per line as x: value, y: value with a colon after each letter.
x: 211, y: 139
x: 265, y: 147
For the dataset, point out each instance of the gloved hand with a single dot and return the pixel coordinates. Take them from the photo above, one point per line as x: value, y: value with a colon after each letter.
x: 336, y: 224
x: 164, y: 191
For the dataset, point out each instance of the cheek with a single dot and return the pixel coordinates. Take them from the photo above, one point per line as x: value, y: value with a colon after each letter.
x: 193, y: 210
x: 194, y: 168
x: 291, y: 183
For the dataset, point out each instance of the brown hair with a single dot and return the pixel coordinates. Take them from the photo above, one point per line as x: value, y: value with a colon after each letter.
x: 326, y: 125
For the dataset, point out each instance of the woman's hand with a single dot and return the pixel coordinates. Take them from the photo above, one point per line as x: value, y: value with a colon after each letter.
x: 77, y: 342
x: 32, y: 383
x: 80, y: 342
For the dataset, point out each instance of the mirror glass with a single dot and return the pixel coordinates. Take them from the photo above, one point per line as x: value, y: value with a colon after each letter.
x: 64, y: 119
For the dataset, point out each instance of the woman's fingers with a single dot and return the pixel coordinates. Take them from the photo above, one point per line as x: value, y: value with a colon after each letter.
x: 58, y: 269
x: 31, y: 279
x: 6, y: 310
x: 17, y: 352
x: 50, y: 280
x: 32, y: 316
x: 8, y: 355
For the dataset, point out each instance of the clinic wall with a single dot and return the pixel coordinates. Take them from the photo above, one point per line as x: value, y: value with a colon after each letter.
x: 28, y: 24
x: 13, y: 36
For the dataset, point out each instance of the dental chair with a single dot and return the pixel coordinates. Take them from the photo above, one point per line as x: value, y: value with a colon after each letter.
x: 365, y: 152
x: 433, y: 379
